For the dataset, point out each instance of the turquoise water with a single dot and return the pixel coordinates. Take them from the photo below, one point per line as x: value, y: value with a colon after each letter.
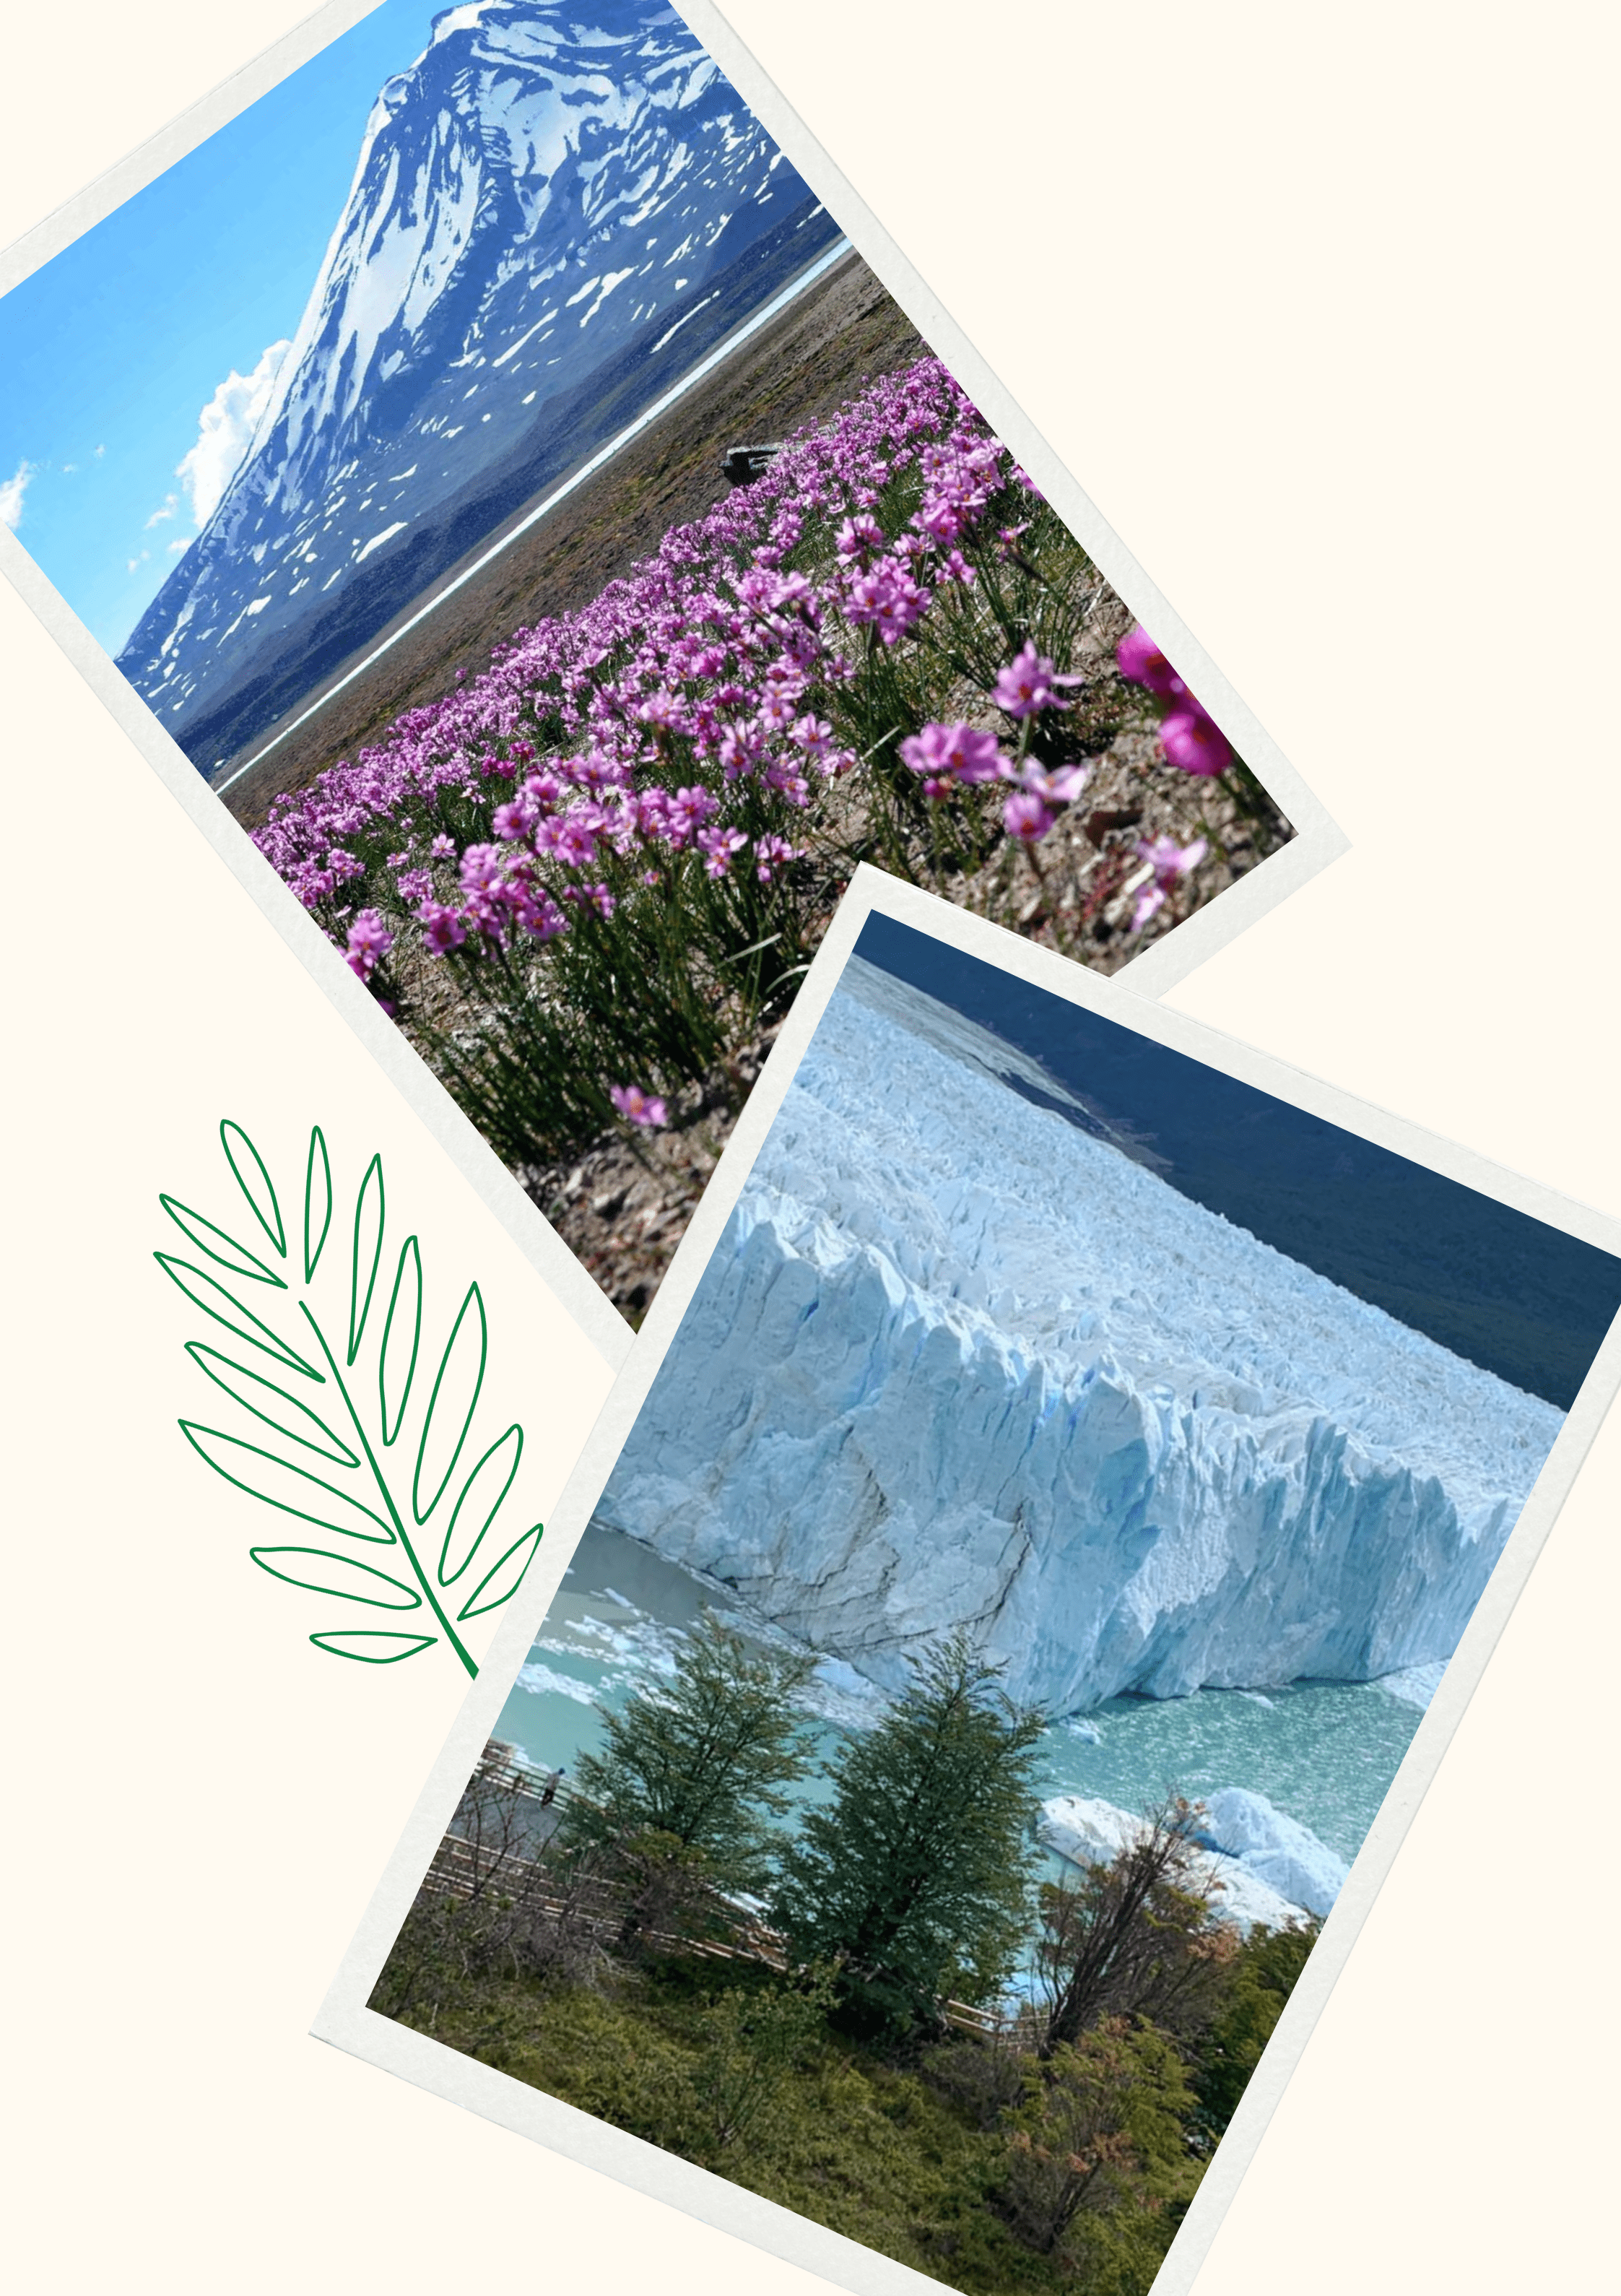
x: 1324, y: 1753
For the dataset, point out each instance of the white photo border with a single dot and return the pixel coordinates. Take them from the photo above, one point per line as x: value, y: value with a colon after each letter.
x: 345, y: 2020
x: 1317, y: 840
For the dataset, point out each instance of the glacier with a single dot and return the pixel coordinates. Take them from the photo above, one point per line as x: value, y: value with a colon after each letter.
x: 965, y: 1360
x: 544, y: 200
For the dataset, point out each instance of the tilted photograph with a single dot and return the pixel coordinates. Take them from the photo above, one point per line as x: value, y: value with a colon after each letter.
x: 567, y: 560
x: 1040, y: 1537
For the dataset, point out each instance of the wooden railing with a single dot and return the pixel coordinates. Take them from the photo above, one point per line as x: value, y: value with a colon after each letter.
x: 462, y: 1868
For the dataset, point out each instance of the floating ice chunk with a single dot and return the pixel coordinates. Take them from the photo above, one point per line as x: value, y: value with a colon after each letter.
x: 1086, y: 1831
x: 1275, y: 1847
x: 544, y: 1681
x: 1092, y: 1832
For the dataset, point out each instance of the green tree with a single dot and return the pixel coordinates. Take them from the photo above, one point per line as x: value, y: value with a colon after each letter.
x: 692, y: 1770
x: 1099, y: 2155
x: 915, y: 1880
x: 1135, y: 1936
x: 1262, y: 1978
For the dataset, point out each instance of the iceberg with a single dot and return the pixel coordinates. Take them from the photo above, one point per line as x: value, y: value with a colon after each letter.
x: 1090, y: 1833
x: 1275, y: 1849
x: 964, y: 1360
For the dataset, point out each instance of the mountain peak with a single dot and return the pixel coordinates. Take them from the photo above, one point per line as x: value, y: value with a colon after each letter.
x: 536, y: 198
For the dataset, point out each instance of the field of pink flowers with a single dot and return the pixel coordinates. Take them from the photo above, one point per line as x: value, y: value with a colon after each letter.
x: 583, y: 878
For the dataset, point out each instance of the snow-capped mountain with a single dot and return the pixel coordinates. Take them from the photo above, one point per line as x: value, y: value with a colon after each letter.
x: 555, y: 211
x: 957, y: 1362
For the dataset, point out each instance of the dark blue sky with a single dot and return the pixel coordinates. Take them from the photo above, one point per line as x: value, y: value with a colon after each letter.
x: 1519, y: 1298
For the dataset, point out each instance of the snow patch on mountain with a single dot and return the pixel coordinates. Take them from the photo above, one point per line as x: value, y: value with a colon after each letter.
x: 959, y: 1360
x: 543, y: 182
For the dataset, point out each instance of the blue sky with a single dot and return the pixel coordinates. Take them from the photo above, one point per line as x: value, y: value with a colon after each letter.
x: 110, y: 353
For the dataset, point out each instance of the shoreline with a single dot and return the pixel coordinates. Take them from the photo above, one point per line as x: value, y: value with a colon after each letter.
x: 797, y: 364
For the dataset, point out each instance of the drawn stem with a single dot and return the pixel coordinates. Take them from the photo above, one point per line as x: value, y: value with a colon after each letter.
x: 424, y: 1580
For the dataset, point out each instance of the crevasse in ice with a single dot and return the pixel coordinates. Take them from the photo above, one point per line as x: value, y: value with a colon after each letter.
x: 957, y: 1361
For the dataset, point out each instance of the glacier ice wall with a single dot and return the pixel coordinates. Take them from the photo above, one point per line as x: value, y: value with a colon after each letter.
x: 958, y: 1360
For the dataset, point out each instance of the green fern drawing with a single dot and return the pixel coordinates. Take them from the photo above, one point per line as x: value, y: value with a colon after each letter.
x: 321, y: 1441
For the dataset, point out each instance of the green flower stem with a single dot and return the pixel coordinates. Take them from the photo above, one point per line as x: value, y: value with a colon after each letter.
x: 424, y: 1580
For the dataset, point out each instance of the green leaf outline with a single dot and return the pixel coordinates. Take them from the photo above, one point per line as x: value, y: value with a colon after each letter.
x: 334, y: 1450
x: 408, y: 1250
x: 278, y: 1233
x: 191, y: 1429
x: 260, y: 1336
x: 449, y: 1577
x: 188, y: 1222
x: 473, y: 1608
x: 413, y: 1600
x: 330, y: 1639
x: 474, y: 1299
x: 312, y: 1254
x: 281, y: 1413
x: 361, y: 1308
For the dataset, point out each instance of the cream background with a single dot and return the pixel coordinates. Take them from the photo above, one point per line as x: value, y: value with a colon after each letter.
x: 1313, y: 308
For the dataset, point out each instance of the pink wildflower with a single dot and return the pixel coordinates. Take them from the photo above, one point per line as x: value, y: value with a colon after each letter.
x: 540, y: 916
x: 1169, y: 861
x: 1170, y: 864
x: 1194, y: 741
x: 1141, y: 660
x: 813, y: 735
x: 370, y: 941
x: 718, y: 846
x: 595, y: 897
x: 660, y: 711
x: 1029, y: 684
x: 689, y: 810
x: 772, y: 854
x: 638, y: 1107
x: 1059, y: 788
x: 956, y: 751
x: 442, y: 928
x: 1026, y: 816
x: 515, y: 819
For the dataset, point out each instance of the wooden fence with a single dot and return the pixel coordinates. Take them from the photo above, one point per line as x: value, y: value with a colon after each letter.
x: 462, y: 1867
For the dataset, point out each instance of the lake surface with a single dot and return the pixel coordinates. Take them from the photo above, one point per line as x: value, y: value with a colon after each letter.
x: 1325, y: 1752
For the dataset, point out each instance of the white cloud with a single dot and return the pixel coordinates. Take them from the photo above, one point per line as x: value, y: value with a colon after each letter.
x: 225, y: 429
x: 11, y: 491
x: 171, y: 503
x: 100, y: 452
x: 180, y: 542
x: 130, y: 564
